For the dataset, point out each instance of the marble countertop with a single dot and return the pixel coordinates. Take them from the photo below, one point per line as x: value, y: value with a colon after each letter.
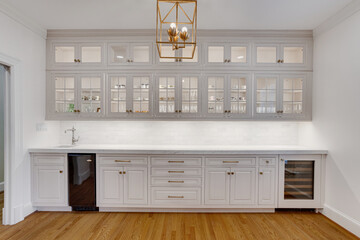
x: 180, y: 149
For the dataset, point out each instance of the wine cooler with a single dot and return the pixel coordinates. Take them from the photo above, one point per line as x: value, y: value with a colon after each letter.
x: 300, y: 181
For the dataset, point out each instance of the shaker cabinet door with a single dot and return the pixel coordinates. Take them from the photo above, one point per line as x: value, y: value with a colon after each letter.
x: 49, y: 186
x: 243, y: 186
x: 135, y: 185
x: 267, y: 178
x: 217, y: 183
x: 111, y: 186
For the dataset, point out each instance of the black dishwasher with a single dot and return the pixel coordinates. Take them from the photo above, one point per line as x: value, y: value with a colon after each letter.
x: 82, y: 181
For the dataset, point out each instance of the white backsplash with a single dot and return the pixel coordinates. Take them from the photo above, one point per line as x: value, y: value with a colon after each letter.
x: 182, y: 133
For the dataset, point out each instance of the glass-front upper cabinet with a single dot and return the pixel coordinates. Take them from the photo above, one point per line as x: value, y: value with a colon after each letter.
x: 129, y: 95
x: 280, y: 96
x: 177, y: 96
x: 75, y: 95
x: 280, y: 55
x: 129, y: 53
x: 228, y: 96
x: 77, y: 54
x: 170, y: 54
x: 227, y: 53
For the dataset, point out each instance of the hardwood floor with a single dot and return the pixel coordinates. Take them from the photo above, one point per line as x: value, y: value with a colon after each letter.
x: 152, y: 226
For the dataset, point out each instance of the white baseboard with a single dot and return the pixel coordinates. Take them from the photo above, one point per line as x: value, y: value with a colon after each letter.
x: 187, y: 210
x: 1, y: 186
x: 28, y: 209
x: 54, y: 209
x: 342, y: 219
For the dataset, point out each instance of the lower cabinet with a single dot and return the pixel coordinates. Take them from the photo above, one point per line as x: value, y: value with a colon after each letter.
x: 230, y: 186
x: 49, y: 180
x: 267, y: 184
x: 122, y: 185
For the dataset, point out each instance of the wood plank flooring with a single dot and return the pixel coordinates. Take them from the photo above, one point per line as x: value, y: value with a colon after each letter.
x: 153, y: 226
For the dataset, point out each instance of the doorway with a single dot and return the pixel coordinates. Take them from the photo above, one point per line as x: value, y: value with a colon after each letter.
x: 3, y: 75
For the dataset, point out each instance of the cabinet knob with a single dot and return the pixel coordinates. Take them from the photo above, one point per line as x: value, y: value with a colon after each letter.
x: 261, y: 173
x: 229, y: 173
x: 267, y: 161
x: 130, y: 111
x: 232, y: 173
x: 124, y: 172
x: 179, y: 111
x: 61, y: 171
x: 75, y: 60
x: 120, y: 172
x: 176, y: 111
x: 282, y: 61
x: 279, y: 61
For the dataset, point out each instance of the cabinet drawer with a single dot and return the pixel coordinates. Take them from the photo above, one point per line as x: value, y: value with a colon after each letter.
x: 178, y: 182
x: 176, y: 161
x: 49, y: 160
x: 122, y: 160
x: 267, y: 161
x: 176, y: 171
x: 175, y: 196
x: 246, y: 161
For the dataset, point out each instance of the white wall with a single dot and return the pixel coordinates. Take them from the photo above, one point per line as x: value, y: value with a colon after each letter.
x: 2, y: 137
x: 183, y: 133
x: 20, y: 43
x: 336, y: 118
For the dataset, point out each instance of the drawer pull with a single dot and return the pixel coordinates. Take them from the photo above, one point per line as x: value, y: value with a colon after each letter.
x: 175, y: 161
x: 175, y: 171
x: 267, y: 161
x: 176, y: 181
x: 122, y: 160
x: 175, y: 196
x: 230, y: 161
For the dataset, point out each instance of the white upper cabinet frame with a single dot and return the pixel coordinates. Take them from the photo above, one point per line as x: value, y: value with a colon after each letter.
x: 141, y: 96
x: 70, y: 54
x: 129, y: 56
x: 167, y: 88
x: 118, y: 95
x: 180, y: 62
x: 220, y: 54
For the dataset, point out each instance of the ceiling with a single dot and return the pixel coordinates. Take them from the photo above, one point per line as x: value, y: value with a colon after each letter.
x: 212, y: 14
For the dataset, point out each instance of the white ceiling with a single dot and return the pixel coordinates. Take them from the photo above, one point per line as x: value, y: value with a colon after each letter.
x: 212, y: 14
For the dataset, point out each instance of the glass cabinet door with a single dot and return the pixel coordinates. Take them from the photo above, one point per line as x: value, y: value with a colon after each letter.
x: 167, y: 96
x: 266, y: 95
x: 118, y: 53
x: 141, y: 95
x: 293, y: 54
x: 140, y: 53
x: 118, y: 95
x: 238, y: 95
x: 91, y: 54
x: 168, y: 52
x: 64, y: 53
x: 292, y: 95
x: 91, y: 94
x: 216, y: 95
x: 267, y: 54
x: 65, y: 94
x: 187, y: 52
x: 189, y: 95
x: 215, y: 53
x: 238, y: 54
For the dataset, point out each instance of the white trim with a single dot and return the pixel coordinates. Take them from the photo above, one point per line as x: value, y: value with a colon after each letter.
x: 192, y: 210
x: 28, y: 209
x: 339, y: 17
x: 13, y: 149
x: 54, y: 209
x: 342, y: 219
x: 22, y: 19
x: 1, y: 186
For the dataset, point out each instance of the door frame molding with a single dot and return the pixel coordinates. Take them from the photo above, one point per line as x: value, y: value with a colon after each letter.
x: 13, y: 149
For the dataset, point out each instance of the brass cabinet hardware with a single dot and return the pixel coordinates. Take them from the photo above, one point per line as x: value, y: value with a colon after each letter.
x: 175, y: 161
x: 75, y: 60
x: 230, y: 161
x: 120, y: 172
x: 279, y: 61
x: 282, y: 159
x: 127, y: 111
x: 282, y: 61
x: 124, y: 172
x: 171, y: 181
x: 232, y: 173
x: 179, y: 111
x: 61, y: 171
x: 229, y: 111
x: 123, y: 161
x: 175, y: 196
x: 261, y: 173
x: 267, y: 161
x: 175, y: 171
x: 228, y: 173
x: 89, y: 160
x: 176, y: 111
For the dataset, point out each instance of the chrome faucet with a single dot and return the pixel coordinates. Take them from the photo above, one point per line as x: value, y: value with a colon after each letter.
x: 73, y: 139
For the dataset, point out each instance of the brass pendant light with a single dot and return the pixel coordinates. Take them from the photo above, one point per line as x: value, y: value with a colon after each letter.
x: 176, y: 23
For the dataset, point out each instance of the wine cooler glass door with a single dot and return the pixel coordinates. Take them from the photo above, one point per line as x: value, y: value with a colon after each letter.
x: 300, y: 181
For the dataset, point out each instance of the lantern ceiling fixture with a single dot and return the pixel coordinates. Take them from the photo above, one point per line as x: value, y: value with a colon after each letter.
x: 176, y: 23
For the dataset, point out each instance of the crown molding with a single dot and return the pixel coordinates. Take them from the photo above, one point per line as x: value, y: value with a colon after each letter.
x: 59, y: 33
x: 349, y: 10
x: 23, y: 20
